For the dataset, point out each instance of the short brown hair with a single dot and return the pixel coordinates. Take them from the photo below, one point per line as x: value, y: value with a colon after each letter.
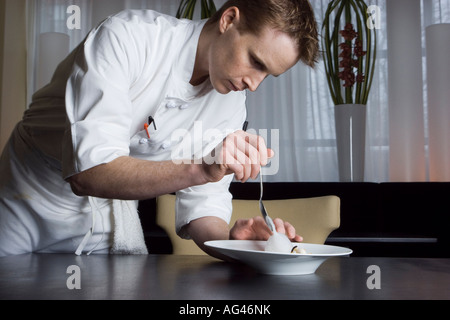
x: 293, y: 17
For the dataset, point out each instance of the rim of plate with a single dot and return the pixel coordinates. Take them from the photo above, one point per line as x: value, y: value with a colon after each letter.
x: 213, y: 244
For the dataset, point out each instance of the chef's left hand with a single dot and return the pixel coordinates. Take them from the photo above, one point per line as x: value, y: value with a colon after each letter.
x: 257, y: 229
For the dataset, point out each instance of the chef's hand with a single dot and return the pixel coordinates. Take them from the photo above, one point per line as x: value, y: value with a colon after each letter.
x: 240, y: 153
x: 257, y: 229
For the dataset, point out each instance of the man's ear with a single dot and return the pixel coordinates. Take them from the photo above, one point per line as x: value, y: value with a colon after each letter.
x: 229, y: 18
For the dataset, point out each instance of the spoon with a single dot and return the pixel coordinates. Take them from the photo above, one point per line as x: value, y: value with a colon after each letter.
x: 277, y: 242
x: 266, y: 217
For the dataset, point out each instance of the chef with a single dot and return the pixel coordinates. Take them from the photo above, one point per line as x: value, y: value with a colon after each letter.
x: 99, y: 136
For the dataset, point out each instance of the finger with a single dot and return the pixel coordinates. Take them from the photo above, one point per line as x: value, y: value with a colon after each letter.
x: 279, y: 225
x: 290, y: 230
x: 261, y: 150
x: 254, y: 157
x: 254, y: 171
x: 241, y: 153
x: 254, y: 148
x: 250, y: 229
x: 251, y: 149
x: 244, y: 224
x: 252, y: 160
x: 260, y: 223
x: 261, y: 228
x: 234, y: 158
x: 240, y: 230
x: 291, y: 233
x: 251, y: 166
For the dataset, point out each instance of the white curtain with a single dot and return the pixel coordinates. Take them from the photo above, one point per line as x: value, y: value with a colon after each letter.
x: 13, y: 71
x: 296, y: 105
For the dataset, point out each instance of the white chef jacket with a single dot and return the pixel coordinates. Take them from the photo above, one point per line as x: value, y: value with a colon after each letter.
x: 134, y: 65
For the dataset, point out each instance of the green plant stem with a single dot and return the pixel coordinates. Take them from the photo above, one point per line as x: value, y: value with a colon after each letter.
x: 348, y: 19
x: 370, y: 61
x: 366, y: 64
x: 359, y: 29
x: 335, y: 36
x: 187, y: 8
x: 330, y: 50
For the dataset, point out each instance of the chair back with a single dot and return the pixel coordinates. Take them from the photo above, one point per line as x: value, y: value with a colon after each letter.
x: 313, y: 218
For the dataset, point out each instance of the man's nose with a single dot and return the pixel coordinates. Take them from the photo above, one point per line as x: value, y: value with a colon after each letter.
x: 252, y: 82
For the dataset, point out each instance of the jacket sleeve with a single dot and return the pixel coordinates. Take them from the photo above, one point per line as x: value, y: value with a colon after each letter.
x: 99, y: 110
x: 211, y: 199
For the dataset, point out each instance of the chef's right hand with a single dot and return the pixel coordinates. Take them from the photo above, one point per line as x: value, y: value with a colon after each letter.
x: 240, y: 153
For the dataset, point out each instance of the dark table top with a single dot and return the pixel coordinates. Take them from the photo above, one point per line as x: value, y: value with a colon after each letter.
x: 172, y: 277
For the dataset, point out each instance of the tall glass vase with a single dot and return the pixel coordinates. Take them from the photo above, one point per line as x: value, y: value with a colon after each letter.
x: 350, y: 122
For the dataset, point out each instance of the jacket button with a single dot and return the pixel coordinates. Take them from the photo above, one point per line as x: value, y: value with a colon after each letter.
x: 166, y: 145
x: 171, y: 104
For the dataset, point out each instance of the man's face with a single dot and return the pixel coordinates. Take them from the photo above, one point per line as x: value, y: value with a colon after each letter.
x: 240, y: 61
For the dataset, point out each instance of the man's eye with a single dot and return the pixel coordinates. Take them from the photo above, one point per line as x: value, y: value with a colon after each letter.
x: 257, y: 64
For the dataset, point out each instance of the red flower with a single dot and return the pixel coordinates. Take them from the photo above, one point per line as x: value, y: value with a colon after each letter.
x: 345, y: 63
x: 348, y: 33
x: 358, y: 49
x: 360, y: 77
x: 348, y: 77
x: 348, y: 53
x: 346, y: 50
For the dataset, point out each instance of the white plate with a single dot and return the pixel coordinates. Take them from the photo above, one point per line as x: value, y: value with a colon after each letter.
x: 252, y: 253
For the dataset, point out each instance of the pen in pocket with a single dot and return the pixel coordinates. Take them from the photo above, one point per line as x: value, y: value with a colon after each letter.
x: 146, y: 125
x: 244, y: 127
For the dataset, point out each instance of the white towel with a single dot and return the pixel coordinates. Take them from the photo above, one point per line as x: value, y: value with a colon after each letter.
x: 128, y: 234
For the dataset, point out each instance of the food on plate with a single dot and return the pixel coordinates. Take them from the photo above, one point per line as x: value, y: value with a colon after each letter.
x: 279, y: 242
x: 296, y: 249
